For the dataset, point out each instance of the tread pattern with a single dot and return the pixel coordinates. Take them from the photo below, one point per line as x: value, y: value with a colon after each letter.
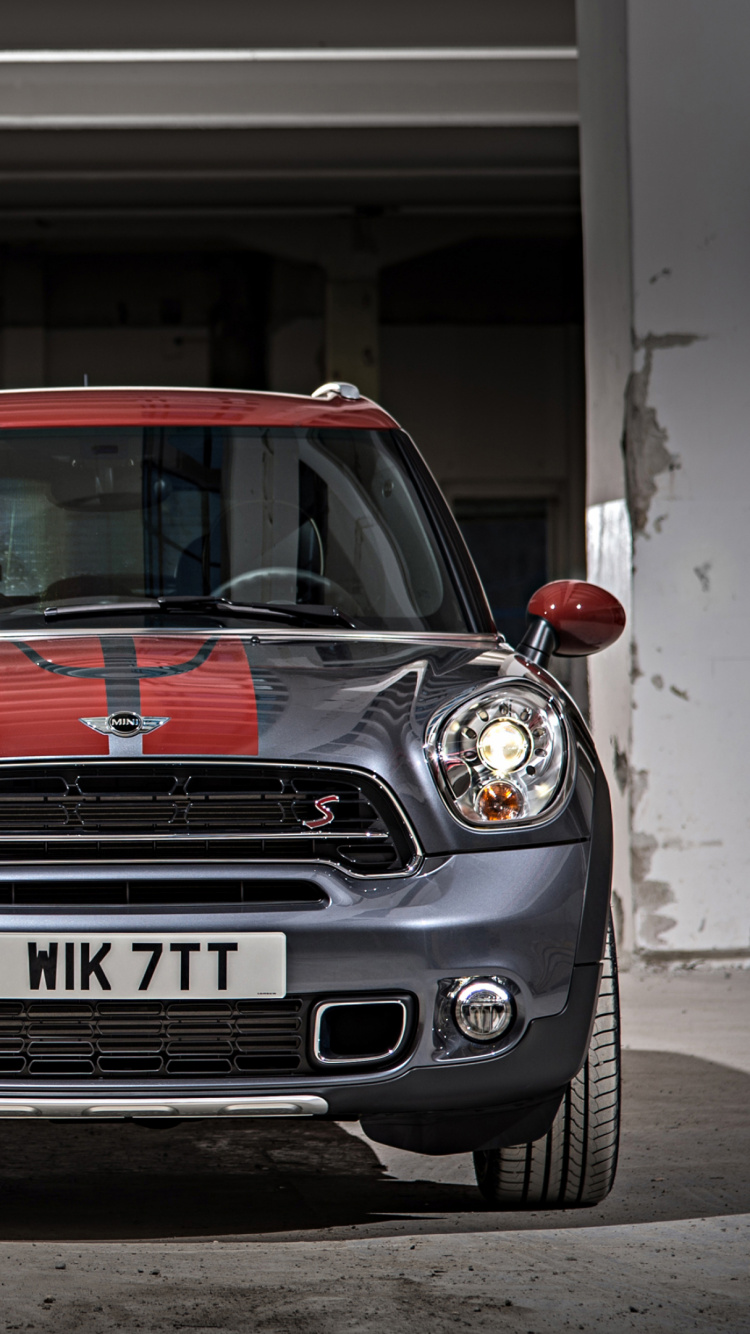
x: 573, y: 1165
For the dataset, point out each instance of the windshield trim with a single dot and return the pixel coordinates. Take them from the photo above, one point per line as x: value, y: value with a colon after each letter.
x: 263, y: 632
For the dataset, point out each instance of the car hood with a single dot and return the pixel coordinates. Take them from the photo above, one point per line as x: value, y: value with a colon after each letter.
x: 360, y: 700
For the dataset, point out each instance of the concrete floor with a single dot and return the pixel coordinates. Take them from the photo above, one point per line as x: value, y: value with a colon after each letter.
x: 291, y: 1227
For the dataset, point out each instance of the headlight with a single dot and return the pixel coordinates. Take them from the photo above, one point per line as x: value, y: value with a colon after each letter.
x: 501, y: 756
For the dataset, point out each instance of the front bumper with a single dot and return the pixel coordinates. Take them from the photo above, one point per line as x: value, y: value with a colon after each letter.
x: 517, y: 913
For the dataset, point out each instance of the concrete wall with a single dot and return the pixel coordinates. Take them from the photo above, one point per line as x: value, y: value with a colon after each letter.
x: 689, y: 466
x: 605, y: 191
x: 47, y: 24
x: 685, y: 417
x: 521, y: 440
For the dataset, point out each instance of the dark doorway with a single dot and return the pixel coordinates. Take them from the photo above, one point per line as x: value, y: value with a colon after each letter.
x: 508, y: 540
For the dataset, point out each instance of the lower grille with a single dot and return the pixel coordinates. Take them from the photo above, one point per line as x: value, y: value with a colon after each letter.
x: 114, y: 890
x: 150, y: 1039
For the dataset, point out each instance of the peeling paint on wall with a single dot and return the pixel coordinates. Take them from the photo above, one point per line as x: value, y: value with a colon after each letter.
x: 702, y: 574
x: 644, y: 438
x: 635, y: 670
x: 649, y: 896
x: 638, y: 785
x: 620, y: 765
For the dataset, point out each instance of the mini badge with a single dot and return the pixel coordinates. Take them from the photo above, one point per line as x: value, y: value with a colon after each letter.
x: 124, y: 723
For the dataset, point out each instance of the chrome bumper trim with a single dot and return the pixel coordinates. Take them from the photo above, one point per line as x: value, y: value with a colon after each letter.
x: 120, y: 1108
x: 323, y: 1006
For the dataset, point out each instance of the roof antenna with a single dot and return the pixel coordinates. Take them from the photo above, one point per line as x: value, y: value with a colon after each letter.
x: 85, y: 380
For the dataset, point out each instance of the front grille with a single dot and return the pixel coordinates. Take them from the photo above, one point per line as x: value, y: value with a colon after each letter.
x: 131, y: 810
x: 150, y: 1039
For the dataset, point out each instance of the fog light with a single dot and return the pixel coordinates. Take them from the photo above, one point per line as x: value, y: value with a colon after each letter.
x: 483, y: 1009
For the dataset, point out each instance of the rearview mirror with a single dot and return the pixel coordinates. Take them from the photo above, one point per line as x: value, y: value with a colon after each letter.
x: 572, y: 619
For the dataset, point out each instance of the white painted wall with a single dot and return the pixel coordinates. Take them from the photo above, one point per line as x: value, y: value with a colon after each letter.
x: 688, y: 455
x: 605, y: 190
x: 690, y: 190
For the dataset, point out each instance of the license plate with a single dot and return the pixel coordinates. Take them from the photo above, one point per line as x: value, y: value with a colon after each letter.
x: 143, y: 965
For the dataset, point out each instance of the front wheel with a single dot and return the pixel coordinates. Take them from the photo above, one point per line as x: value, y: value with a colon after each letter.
x: 574, y: 1164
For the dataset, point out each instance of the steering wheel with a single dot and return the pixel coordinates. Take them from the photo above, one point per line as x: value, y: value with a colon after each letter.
x: 249, y: 577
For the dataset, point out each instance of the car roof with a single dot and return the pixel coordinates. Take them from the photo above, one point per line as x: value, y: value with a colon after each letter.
x: 184, y: 407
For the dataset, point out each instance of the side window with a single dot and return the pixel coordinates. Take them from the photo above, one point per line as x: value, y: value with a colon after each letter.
x: 509, y: 541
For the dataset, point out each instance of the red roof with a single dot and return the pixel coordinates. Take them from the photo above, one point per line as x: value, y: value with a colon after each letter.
x: 183, y: 407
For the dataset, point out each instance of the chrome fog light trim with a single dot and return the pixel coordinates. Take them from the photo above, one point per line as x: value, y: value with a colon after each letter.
x: 483, y: 1009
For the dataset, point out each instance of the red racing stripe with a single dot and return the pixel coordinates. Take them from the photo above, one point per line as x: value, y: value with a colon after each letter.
x: 212, y: 709
x: 40, y: 709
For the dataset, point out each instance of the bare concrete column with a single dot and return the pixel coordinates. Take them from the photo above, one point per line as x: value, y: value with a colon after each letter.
x: 22, y: 342
x: 608, y: 295
x: 665, y: 105
x: 351, y: 333
x: 688, y: 455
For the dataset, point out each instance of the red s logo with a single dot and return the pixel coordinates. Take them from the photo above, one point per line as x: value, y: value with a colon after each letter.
x: 326, y: 816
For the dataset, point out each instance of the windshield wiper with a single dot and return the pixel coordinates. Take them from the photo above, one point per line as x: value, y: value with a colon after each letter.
x: 309, y: 612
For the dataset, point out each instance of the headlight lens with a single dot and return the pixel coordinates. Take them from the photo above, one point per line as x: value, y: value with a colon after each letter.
x: 504, y: 745
x: 501, y: 757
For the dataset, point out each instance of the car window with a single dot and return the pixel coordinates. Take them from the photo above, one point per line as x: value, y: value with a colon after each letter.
x: 275, y: 515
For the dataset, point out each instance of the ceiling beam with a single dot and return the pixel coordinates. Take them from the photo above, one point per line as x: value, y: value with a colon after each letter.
x: 324, y: 88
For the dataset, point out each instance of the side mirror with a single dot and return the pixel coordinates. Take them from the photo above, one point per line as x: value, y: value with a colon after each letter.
x: 572, y: 619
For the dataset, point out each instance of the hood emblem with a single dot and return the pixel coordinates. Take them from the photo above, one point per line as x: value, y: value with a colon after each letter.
x: 124, y: 723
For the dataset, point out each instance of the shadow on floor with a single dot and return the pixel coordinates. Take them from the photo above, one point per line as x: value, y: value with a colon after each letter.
x: 685, y: 1153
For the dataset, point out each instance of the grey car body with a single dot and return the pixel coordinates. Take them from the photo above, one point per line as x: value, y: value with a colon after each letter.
x: 525, y: 904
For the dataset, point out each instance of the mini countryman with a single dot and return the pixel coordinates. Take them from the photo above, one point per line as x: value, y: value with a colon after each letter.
x: 287, y: 828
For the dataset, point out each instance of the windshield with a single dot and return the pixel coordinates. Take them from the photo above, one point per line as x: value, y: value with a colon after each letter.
x: 326, y: 518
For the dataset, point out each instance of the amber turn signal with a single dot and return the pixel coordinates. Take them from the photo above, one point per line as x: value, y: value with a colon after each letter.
x: 499, y: 801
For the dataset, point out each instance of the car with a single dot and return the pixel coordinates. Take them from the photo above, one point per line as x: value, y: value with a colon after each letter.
x: 287, y: 828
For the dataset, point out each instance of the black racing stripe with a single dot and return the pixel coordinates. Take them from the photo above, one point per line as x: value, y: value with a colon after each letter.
x: 120, y: 675
x: 133, y: 671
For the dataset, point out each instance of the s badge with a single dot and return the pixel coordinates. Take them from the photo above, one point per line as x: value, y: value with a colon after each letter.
x: 326, y: 816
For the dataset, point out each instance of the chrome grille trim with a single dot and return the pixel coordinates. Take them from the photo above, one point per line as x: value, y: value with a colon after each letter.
x: 376, y: 807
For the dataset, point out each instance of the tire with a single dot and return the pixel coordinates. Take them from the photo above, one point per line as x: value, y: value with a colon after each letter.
x: 573, y: 1166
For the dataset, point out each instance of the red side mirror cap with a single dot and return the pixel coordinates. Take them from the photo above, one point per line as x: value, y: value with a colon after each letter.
x: 584, y: 618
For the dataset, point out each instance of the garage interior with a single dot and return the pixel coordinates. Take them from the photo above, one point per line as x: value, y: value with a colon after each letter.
x: 429, y: 248
x: 428, y: 254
